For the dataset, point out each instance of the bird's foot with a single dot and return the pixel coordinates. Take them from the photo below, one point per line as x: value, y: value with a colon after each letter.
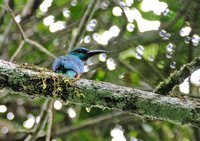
x: 78, y: 76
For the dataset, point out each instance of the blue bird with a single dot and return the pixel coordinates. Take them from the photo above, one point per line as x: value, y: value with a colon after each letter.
x: 72, y: 65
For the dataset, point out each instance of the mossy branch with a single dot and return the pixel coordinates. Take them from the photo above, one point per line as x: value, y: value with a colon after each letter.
x: 177, y: 77
x: 35, y: 81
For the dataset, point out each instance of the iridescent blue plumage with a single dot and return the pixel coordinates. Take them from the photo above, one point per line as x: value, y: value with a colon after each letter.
x: 72, y: 65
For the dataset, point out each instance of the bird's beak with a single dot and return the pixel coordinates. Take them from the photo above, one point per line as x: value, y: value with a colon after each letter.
x: 95, y: 52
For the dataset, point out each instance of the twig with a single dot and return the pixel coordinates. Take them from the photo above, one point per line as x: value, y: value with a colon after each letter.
x: 40, y: 47
x: 50, y: 115
x: 39, y: 126
x: 86, y: 17
x: 89, y: 122
x: 38, y: 131
x: 17, y: 51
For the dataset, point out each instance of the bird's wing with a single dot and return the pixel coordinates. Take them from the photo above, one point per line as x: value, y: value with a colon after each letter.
x: 57, y: 64
x: 70, y: 62
x: 68, y: 65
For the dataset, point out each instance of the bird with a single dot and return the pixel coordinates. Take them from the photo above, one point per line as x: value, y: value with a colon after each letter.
x: 72, y: 64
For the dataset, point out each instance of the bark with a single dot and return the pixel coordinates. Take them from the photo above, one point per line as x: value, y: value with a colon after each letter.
x: 35, y: 81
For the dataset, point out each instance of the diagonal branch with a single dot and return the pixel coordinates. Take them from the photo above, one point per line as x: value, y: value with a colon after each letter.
x: 33, y: 81
x: 178, y: 77
x: 50, y: 120
x: 39, y: 126
x: 24, y: 37
x: 86, y: 17
x: 17, y: 51
x: 91, y: 122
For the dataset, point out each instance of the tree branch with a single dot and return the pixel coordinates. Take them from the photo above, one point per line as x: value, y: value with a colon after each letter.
x: 177, y: 77
x: 35, y: 81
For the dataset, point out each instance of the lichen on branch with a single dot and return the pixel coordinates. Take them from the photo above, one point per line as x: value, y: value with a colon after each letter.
x: 35, y: 81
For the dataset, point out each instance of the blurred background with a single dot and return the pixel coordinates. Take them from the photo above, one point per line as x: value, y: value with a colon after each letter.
x: 147, y: 40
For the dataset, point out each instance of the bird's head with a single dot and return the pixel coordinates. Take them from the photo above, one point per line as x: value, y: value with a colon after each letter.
x: 84, y: 53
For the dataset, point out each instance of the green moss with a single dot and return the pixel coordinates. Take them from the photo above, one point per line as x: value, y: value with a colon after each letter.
x: 160, y: 111
x: 33, y: 67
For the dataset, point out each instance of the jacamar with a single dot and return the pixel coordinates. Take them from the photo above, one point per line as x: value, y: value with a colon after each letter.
x: 72, y: 65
